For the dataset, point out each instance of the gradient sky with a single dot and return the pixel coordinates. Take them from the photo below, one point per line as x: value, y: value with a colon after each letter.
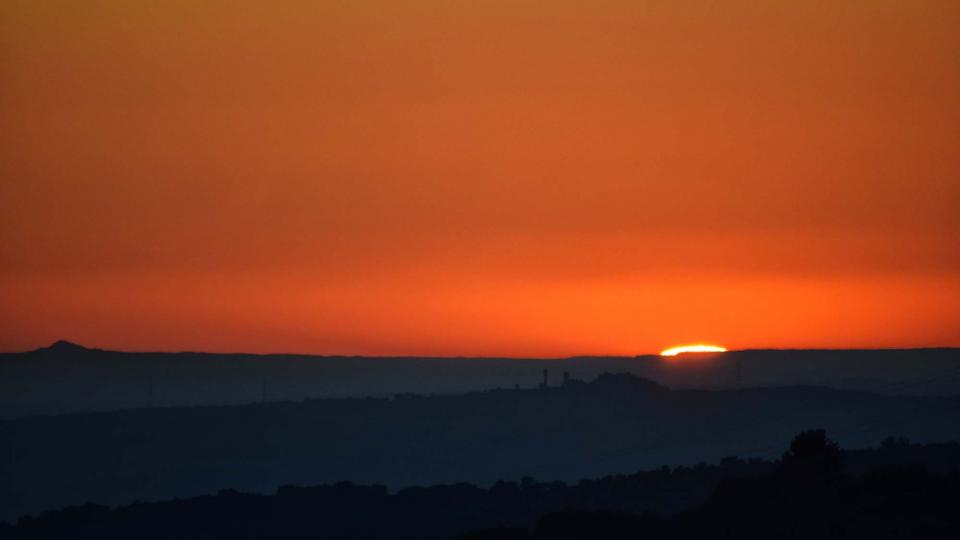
x: 479, y: 177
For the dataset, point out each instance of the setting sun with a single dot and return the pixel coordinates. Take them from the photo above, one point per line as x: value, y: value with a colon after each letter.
x: 673, y: 351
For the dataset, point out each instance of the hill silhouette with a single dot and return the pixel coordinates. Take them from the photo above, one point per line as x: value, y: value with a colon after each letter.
x: 616, y: 423
x: 815, y: 491
x: 69, y: 378
x: 808, y: 496
x: 64, y: 347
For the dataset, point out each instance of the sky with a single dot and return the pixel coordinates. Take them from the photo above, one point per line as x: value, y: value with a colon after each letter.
x: 512, y: 178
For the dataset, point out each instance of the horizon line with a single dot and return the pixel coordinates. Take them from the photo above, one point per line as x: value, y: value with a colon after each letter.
x: 68, y: 343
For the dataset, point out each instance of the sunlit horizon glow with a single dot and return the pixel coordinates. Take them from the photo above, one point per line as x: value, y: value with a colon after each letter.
x: 699, y: 348
x: 511, y: 178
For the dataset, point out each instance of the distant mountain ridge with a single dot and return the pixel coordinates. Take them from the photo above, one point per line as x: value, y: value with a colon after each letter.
x: 66, y: 345
x: 50, y: 380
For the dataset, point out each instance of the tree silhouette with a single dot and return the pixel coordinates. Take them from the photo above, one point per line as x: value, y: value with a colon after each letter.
x: 812, y: 458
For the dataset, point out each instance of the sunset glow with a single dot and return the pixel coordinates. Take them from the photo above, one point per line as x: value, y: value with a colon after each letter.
x: 674, y: 351
x: 518, y: 178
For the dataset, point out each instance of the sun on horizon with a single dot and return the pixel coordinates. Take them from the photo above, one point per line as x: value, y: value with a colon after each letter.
x: 698, y: 348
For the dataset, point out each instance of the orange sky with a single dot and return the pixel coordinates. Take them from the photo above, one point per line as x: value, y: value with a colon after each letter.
x: 479, y: 177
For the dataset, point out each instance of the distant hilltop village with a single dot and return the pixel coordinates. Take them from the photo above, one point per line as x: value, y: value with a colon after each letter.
x: 566, y: 379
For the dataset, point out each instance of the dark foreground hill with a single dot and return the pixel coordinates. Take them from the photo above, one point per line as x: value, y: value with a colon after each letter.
x: 67, y: 378
x: 808, y: 496
x: 614, y: 424
x: 897, y: 491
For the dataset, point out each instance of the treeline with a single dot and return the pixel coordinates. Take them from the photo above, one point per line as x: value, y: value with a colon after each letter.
x: 814, y: 491
x: 809, y: 496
